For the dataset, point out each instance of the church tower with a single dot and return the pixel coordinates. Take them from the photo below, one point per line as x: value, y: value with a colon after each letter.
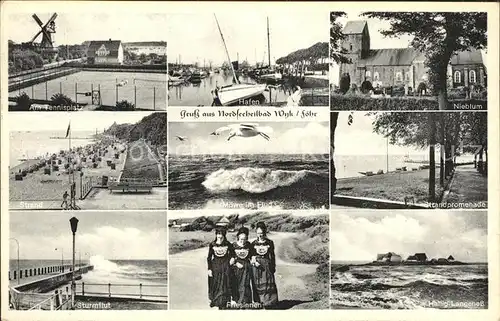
x: 356, y: 44
x: 357, y: 39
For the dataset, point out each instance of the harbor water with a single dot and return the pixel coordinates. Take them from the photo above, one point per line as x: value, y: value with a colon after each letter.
x: 200, y: 94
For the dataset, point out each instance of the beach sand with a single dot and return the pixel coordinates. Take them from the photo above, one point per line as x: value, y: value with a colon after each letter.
x: 38, y: 186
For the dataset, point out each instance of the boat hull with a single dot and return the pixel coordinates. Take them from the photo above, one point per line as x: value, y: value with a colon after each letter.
x: 234, y: 93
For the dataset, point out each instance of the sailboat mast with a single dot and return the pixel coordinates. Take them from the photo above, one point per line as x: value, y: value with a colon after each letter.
x: 227, y: 52
x: 268, y: 44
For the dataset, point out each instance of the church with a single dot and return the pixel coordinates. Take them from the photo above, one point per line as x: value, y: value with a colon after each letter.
x: 402, y: 66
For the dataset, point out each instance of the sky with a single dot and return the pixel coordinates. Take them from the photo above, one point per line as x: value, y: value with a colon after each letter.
x: 196, y: 214
x: 83, y: 121
x: 196, y: 37
x: 360, y: 236
x: 359, y: 138
x: 112, y: 235
x: 286, y: 138
x: 77, y: 27
x: 377, y: 41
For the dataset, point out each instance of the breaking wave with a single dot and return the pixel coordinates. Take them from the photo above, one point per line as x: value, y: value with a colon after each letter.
x: 254, y: 180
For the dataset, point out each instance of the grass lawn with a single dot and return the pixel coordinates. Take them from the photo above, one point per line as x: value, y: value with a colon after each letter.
x: 185, y: 241
x: 394, y: 186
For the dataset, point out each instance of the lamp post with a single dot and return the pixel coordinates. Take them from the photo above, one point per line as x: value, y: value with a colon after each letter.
x: 62, y: 258
x: 74, y: 224
x: 18, y: 270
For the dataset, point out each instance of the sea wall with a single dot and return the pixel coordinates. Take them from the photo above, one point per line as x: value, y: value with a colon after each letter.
x: 51, y: 282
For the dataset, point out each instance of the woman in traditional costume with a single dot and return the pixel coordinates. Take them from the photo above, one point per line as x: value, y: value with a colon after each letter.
x: 220, y: 258
x: 242, y: 269
x: 263, y: 268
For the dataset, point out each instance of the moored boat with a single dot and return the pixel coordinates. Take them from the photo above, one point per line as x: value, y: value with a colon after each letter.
x: 231, y: 94
x: 237, y: 92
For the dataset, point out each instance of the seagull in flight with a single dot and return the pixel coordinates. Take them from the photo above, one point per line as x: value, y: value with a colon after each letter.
x: 181, y: 138
x: 244, y: 130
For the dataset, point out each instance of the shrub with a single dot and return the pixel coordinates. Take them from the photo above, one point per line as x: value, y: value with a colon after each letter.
x: 61, y: 100
x: 356, y: 102
x: 366, y: 86
x: 23, y: 102
x: 345, y: 83
x: 124, y: 105
x: 457, y: 93
x: 421, y: 87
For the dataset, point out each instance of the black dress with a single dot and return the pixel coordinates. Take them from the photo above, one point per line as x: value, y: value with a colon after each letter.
x: 242, y: 283
x: 219, y: 285
x: 263, y: 275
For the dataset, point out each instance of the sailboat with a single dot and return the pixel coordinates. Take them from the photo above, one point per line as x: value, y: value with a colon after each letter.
x: 271, y: 75
x: 235, y: 93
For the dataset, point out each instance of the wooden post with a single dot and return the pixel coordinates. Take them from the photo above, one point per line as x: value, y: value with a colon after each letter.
x: 46, y: 92
x: 60, y: 87
x: 140, y: 290
x: 116, y: 95
x: 58, y: 299
x: 83, y: 288
x: 109, y: 289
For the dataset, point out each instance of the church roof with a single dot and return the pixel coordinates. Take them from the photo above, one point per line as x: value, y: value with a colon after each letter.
x: 354, y: 27
x: 467, y: 58
x: 390, y: 57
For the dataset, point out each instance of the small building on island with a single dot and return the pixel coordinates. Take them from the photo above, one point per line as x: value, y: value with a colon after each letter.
x: 417, y: 258
x: 105, y: 52
x: 389, y: 257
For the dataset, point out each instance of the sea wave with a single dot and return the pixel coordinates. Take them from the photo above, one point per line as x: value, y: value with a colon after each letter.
x: 106, y: 268
x: 253, y: 180
x: 358, y: 281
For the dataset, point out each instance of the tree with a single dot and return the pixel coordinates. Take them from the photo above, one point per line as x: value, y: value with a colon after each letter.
x: 143, y: 58
x: 366, y: 86
x: 424, y: 130
x: 334, y: 116
x: 337, y: 53
x: 345, y: 83
x: 439, y: 35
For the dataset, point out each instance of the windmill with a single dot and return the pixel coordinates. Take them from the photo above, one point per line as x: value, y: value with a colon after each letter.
x: 46, y: 46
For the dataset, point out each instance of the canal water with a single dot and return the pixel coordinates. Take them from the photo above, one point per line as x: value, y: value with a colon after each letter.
x: 144, y: 90
x: 200, y: 94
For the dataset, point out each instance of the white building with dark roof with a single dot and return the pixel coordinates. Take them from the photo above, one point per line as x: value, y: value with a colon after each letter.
x: 105, y: 52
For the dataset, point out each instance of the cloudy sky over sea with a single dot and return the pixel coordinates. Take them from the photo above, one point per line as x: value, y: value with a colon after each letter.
x: 286, y: 138
x: 359, y: 236
x: 111, y: 235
